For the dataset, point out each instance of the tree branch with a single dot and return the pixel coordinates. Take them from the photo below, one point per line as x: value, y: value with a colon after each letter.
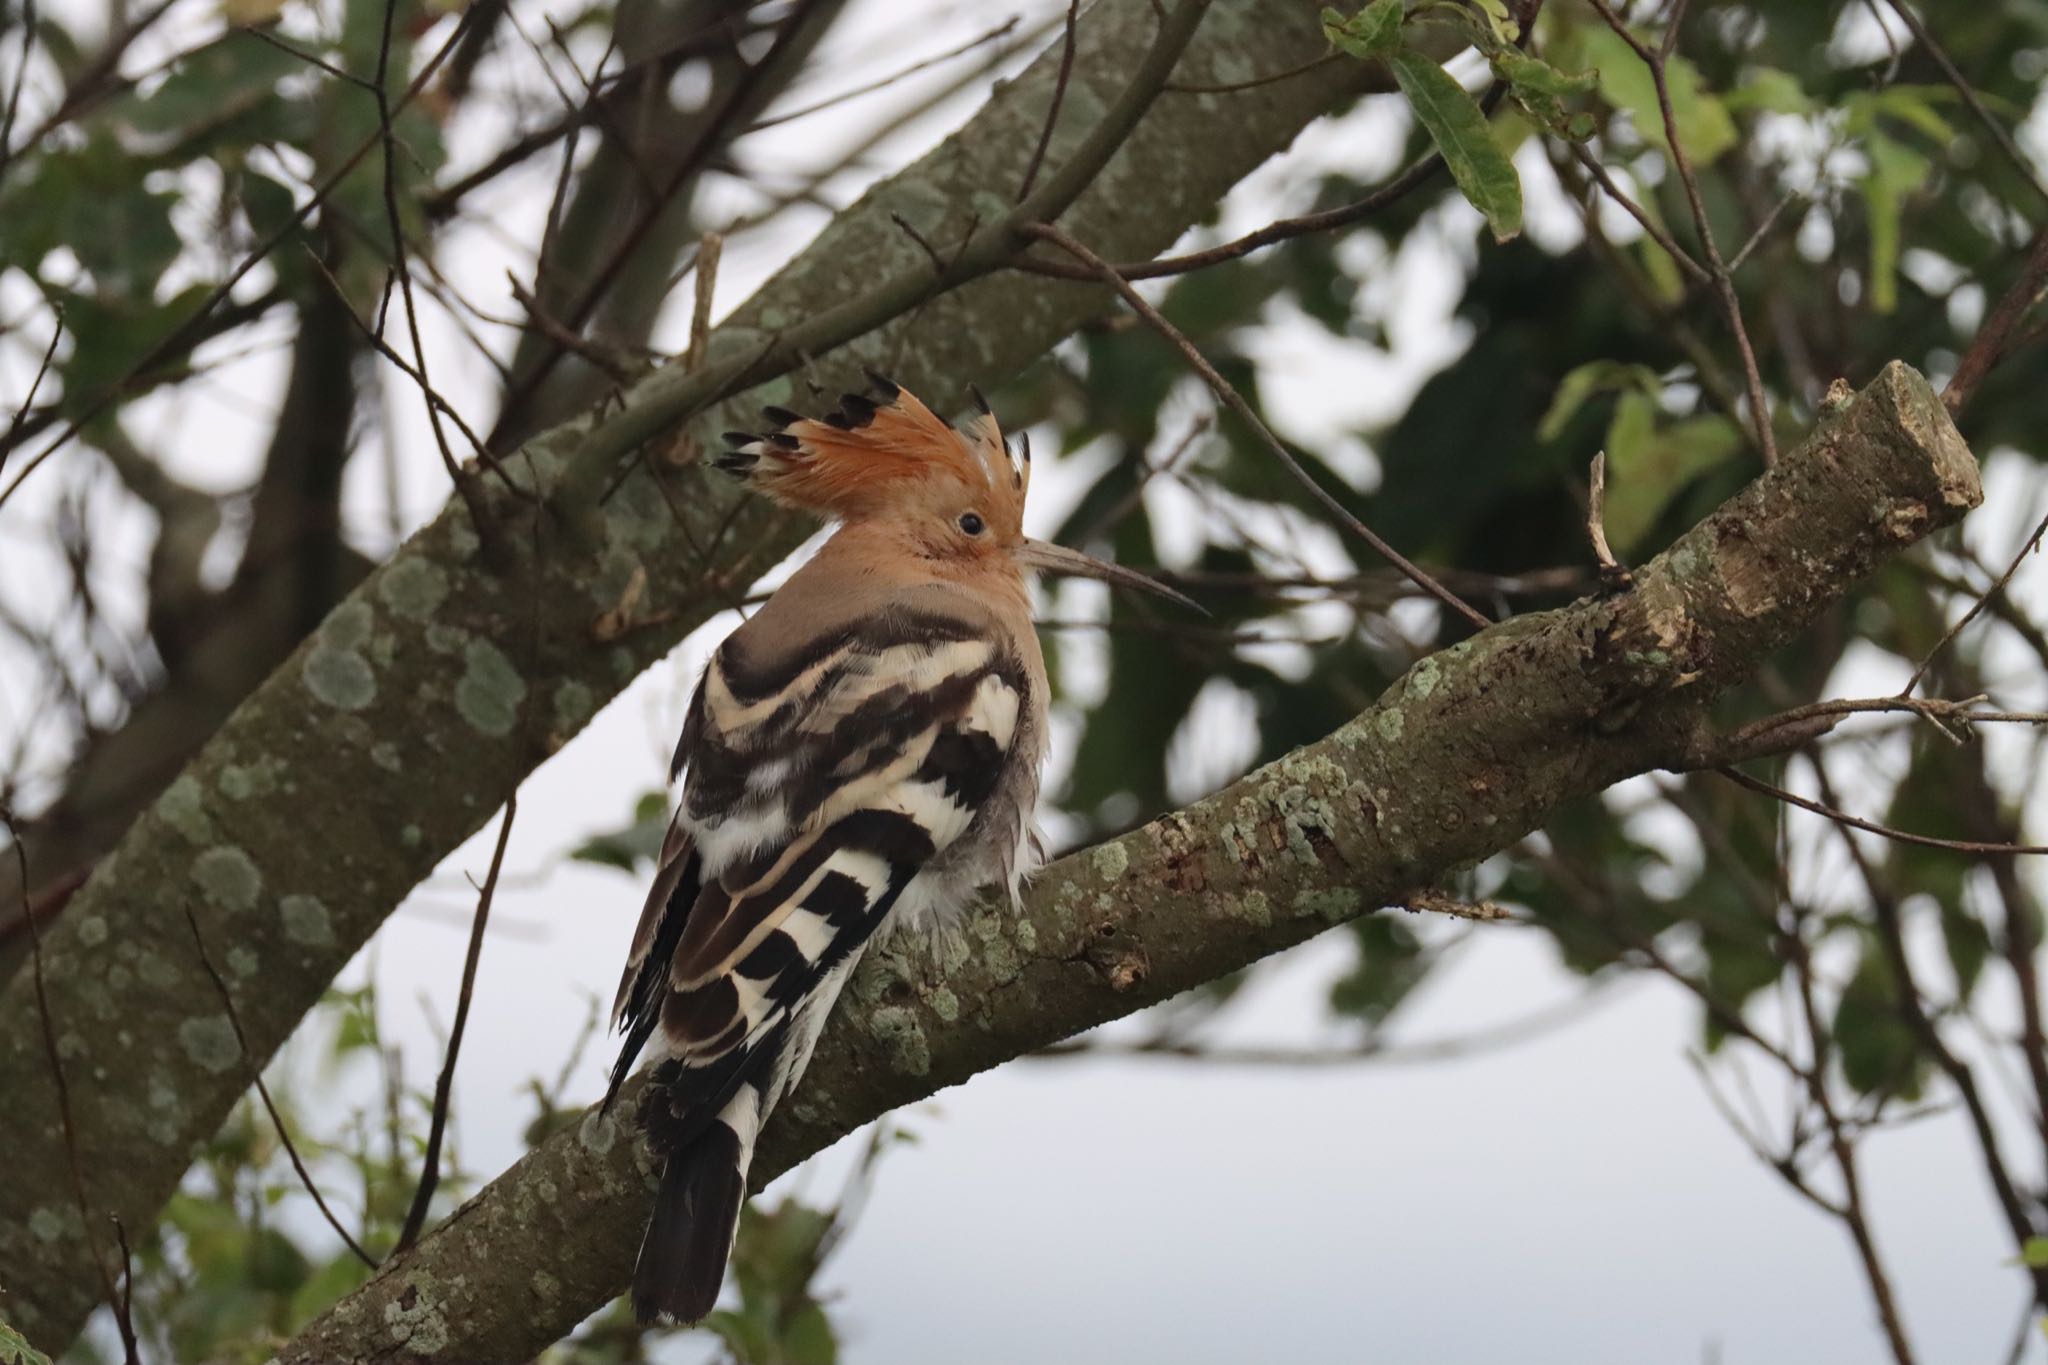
x: 1475, y: 747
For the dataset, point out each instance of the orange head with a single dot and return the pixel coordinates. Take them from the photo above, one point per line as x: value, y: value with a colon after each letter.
x: 884, y: 462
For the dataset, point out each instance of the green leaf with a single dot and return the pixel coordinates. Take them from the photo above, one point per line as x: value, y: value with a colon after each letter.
x: 1374, y: 31
x: 1452, y: 118
x: 1913, y: 105
x: 275, y: 1263
x: 1877, y: 1049
x: 809, y: 1339
x: 1503, y: 24
x: 1595, y: 376
x: 1896, y: 171
x: 15, y: 1350
x: 1541, y: 89
x: 1649, y: 465
x: 1534, y: 74
x: 2034, y: 1252
x: 1704, y: 126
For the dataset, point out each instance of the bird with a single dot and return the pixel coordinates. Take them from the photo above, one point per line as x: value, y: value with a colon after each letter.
x: 863, y: 752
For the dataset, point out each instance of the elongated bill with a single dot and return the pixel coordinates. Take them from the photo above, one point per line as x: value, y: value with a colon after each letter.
x: 1050, y: 558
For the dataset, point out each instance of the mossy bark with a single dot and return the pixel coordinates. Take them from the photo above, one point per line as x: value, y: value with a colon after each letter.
x: 1472, y: 749
x: 400, y: 727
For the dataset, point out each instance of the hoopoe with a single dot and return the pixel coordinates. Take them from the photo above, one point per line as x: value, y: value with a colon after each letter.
x: 864, y: 750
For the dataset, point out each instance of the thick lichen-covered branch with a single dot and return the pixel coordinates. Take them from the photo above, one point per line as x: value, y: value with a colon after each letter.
x: 1475, y: 747
x: 461, y: 664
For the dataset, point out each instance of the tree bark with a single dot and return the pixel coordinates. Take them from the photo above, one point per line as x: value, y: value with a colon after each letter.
x: 395, y: 731
x: 1471, y: 750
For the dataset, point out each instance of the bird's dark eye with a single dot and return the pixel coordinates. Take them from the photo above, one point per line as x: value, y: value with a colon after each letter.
x: 971, y: 523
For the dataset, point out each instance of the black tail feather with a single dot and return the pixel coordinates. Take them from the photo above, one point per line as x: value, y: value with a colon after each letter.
x: 682, y: 1258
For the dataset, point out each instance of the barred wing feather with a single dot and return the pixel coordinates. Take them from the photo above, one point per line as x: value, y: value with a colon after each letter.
x: 818, y: 788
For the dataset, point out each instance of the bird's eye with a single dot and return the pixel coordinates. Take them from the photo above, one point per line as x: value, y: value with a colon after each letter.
x: 971, y: 523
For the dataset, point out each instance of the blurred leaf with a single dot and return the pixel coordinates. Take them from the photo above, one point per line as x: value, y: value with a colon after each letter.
x: 2034, y: 1252
x: 1541, y: 89
x: 1374, y: 31
x: 1390, y: 966
x: 1896, y: 171
x: 1649, y: 462
x: 636, y: 843
x: 1878, y: 1051
x: 1928, y: 802
x: 1703, y: 122
x: 1595, y: 376
x: 276, y: 1265
x: 323, y: 1288
x: 1770, y: 90
x: 1455, y: 124
x: 234, y: 74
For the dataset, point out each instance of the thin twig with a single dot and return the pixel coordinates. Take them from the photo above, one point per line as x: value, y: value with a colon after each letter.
x: 709, y: 250
x: 1999, y: 136
x: 1994, y: 340
x: 64, y: 1117
x: 1233, y: 87
x: 1285, y: 229
x: 1761, y: 737
x: 1223, y: 389
x: 284, y: 1136
x: 1842, y: 817
x: 1059, y: 97
x: 1649, y: 225
x: 1000, y: 31
x: 1613, y: 572
x: 430, y: 1169
x: 35, y: 385
x: 1912, y: 1007
x: 1724, y: 283
x: 1996, y: 590
x: 99, y: 400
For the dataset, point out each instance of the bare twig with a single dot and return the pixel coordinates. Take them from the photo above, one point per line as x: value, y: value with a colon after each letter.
x: 1724, y: 283
x: 1059, y: 97
x: 1613, y: 572
x: 1801, y: 724
x: 1994, y: 340
x: 430, y: 1167
x: 1996, y: 590
x: 1223, y: 389
x: 1285, y: 229
x: 1913, y: 1009
x: 996, y: 34
x: 284, y: 1136
x: 709, y: 250
x: 1649, y: 225
x: 1234, y: 87
x: 64, y: 1117
x: 1842, y: 817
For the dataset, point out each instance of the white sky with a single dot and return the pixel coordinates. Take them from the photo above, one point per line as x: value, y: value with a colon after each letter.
x: 1571, y: 1199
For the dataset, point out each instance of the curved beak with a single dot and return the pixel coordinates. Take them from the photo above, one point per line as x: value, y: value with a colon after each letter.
x: 1050, y: 558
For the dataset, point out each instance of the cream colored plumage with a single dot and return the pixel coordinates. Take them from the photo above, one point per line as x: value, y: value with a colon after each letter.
x: 866, y: 747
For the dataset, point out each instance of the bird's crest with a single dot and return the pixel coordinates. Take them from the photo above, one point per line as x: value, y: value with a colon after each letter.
x: 880, y: 450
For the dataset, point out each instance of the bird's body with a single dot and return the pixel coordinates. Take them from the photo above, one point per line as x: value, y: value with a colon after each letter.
x: 864, y: 750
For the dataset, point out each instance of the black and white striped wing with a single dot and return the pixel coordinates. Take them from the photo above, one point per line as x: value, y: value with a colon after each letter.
x: 817, y: 790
